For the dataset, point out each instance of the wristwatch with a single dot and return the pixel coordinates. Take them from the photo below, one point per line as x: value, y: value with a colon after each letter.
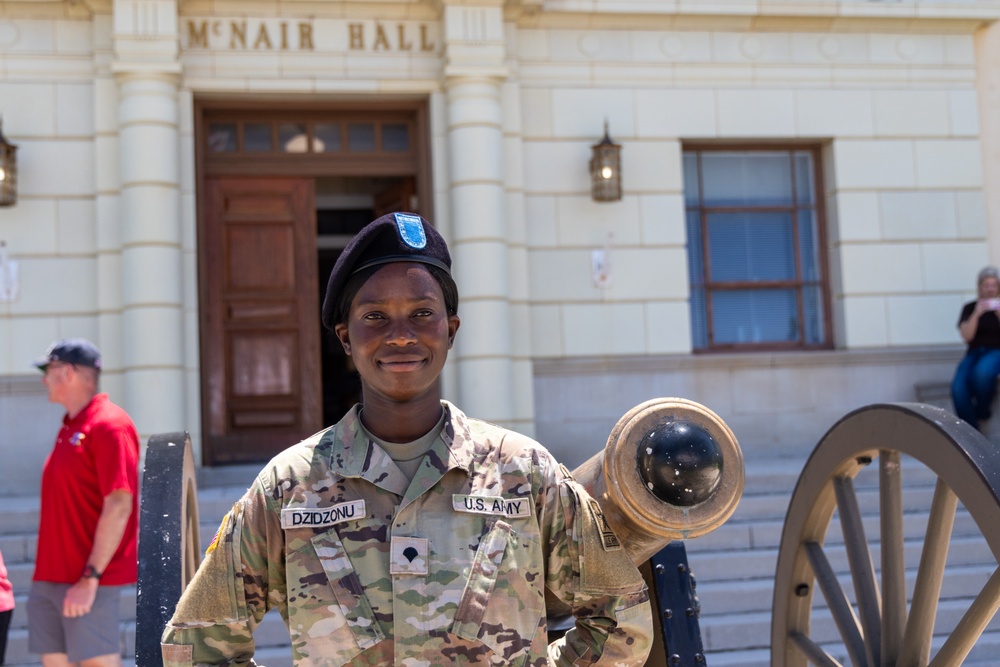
x: 91, y: 572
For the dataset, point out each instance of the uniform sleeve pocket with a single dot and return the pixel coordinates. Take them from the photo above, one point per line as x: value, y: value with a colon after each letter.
x: 329, y: 616
x: 503, y: 603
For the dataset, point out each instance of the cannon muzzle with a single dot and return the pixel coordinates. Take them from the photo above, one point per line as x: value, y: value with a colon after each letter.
x: 671, y: 470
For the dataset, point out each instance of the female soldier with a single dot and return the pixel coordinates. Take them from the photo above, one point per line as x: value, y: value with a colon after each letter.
x: 408, y: 533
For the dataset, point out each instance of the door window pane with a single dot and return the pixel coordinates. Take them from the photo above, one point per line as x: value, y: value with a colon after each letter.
x: 257, y: 137
x: 327, y: 137
x: 222, y: 137
x: 361, y: 137
x: 292, y: 138
x: 395, y: 138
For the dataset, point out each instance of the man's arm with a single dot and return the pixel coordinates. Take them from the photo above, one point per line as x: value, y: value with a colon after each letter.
x: 111, y: 526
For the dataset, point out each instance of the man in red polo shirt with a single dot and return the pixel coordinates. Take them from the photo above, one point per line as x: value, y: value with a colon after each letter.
x: 89, y: 519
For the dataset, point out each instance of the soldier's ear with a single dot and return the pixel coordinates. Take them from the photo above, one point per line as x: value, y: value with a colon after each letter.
x: 344, y: 337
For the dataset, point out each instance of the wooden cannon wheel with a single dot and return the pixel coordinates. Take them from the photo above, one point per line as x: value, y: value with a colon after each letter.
x: 880, y: 629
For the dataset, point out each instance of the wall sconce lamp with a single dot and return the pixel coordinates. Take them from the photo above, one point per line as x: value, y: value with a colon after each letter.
x: 8, y: 171
x: 606, y: 169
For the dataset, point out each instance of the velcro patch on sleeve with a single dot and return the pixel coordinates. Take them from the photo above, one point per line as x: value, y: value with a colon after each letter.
x: 322, y: 517
x: 517, y: 508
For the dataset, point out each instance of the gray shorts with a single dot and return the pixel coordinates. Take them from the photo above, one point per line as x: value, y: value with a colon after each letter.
x: 93, y: 634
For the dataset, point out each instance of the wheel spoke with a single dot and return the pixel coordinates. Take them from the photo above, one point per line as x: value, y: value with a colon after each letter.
x: 839, y: 605
x: 862, y: 569
x: 893, y: 561
x: 920, y: 624
x: 812, y: 651
x: 972, y: 625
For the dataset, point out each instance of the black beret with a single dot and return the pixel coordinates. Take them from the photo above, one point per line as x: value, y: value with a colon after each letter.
x: 395, y: 237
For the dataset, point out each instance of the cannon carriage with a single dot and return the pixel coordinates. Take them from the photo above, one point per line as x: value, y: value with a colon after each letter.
x: 881, y: 609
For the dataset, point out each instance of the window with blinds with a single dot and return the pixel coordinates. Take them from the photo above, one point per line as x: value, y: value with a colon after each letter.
x: 754, y: 226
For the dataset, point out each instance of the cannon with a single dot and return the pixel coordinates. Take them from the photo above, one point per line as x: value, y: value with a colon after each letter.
x: 865, y: 615
x: 671, y: 470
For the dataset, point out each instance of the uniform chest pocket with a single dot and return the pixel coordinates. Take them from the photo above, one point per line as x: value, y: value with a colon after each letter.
x: 329, y: 617
x: 503, y: 605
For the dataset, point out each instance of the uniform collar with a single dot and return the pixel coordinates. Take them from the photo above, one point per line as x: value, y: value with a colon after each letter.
x: 353, y: 455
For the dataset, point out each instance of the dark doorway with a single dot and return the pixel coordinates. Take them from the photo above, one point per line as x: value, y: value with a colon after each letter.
x: 341, y: 385
x: 343, y: 207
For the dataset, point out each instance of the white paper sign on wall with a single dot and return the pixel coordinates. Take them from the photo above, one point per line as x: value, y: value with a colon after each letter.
x: 10, y: 280
x: 600, y: 265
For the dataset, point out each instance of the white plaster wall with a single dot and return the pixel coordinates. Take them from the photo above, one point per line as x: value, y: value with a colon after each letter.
x: 52, y: 107
x: 895, y: 113
x: 48, y: 102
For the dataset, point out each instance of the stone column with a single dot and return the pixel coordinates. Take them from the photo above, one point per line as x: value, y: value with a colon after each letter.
x: 109, y: 279
x: 474, y: 71
x: 147, y: 70
x: 517, y: 249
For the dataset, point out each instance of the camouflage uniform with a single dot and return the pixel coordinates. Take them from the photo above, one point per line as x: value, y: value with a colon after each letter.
x: 367, y: 568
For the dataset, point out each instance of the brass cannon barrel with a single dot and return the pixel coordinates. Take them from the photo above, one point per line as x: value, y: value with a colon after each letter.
x: 671, y: 470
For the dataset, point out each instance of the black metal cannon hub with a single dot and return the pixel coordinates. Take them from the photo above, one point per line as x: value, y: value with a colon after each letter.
x: 680, y: 463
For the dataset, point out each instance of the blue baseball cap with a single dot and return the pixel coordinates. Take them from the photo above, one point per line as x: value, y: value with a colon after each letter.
x: 76, y: 351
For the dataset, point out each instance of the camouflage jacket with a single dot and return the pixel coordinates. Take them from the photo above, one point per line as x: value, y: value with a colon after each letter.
x: 453, y: 567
